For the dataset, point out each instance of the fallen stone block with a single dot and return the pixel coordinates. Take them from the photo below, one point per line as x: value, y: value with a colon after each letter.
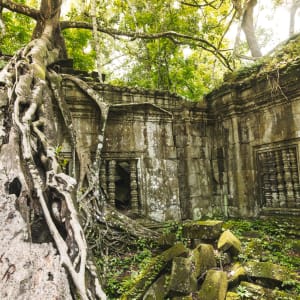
x: 267, y: 271
x: 203, y: 230
x: 182, y: 280
x: 203, y: 259
x: 232, y: 296
x: 151, y: 272
x: 258, y: 292
x: 235, y: 274
x: 229, y: 242
x: 214, y: 286
x: 158, y: 290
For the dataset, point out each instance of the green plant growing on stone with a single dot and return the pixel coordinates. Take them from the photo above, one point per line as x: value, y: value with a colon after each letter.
x: 244, y: 293
x: 63, y: 162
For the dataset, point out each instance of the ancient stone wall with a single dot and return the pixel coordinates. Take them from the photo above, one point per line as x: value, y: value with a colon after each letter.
x: 234, y: 154
x: 256, y: 144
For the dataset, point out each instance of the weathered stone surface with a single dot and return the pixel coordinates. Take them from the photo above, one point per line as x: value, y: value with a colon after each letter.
x: 214, y: 286
x: 183, y: 298
x: 203, y: 259
x: 268, y: 294
x: 204, y: 230
x: 158, y: 290
x: 232, y: 296
x: 202, y: 159
x: 235, y: 274
x: 147, y: 276
x: 229, y: 242
x: 28, y: 270
x: 182, y: 279
x: 267, y: 271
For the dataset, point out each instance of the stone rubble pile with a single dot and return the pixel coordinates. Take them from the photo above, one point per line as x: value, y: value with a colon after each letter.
x: 209, y: 270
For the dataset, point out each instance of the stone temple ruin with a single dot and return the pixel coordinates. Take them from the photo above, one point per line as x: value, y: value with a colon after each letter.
x: 166, y: 158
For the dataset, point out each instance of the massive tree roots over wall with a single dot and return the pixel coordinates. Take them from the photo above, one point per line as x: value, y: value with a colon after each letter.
x: 45, y: 196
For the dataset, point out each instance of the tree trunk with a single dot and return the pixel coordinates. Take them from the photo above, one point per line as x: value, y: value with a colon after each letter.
x: 249, y: 30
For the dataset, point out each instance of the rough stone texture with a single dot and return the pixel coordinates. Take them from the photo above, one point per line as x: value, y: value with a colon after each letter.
x: 214, y: 286
x: 268, y: 294
x: 158, y: 263
x: 232, y: 296
x: 235, y: 154
x: 267, y: 271
x: 183, y: 279
x: 229, y: 242
x: 203, y: 259
x: 202, y: 230
x: 158, y: 290
x: 235, y: 274
x: 27, y: 270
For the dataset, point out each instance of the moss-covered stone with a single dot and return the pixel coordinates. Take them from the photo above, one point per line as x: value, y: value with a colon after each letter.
x: 232, y: 296
x: 214, y: 286
x: 235, y: 274
x: 159, y: 289
x: 151, y: 272
x: 229, y: 242
x: 182, y: 280
x: 203, y: 259
x: 190, y: 297
x: 203, y: 230
x: 267, y: 271
x: 259, y: 292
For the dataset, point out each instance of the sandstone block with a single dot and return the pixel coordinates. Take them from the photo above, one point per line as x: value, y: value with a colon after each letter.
x: 214, y: 286
x: 183, y: 279
x: 229, y: 242
x: 204, y: 230
x: 203, y: 258
x: 267, y: 271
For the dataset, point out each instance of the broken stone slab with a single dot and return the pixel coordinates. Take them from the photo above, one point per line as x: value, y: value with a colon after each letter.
x: 214, y: 286
x: 235, y: 274
x: 151, y: 272
x: 267, y: 271
x: 182, y: 280
x: 203, y: 230
x: 203, y: 259
x: 229, y: 242
x: 158, y: 290
x: 258, y: 292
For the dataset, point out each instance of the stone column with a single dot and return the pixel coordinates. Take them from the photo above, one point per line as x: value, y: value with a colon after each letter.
x: 111, y: 182
x: 134, y: 187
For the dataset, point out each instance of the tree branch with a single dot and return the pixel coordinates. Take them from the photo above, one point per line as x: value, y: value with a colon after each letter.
x: 171, y: 35
x: 20, y: 8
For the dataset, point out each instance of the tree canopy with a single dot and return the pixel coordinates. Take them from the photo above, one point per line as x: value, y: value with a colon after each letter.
x: 180, y: 46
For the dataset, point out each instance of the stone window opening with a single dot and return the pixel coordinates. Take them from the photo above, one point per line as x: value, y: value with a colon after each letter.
x: 279, y: 178
x: 119, y: 180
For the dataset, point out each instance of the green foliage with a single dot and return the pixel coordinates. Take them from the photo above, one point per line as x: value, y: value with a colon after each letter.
x: 268, y: 240
x: 18, y: 32
x: 77, y: 42
x: 63, y: 162
x: 244, y: 293
x: 121, y: 271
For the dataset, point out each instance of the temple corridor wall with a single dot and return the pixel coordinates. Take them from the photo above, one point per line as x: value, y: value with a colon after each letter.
x: 166, y: 158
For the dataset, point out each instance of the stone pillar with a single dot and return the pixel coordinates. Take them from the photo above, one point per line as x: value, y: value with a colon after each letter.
x: 134, y: 187
x: 111, y: 182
